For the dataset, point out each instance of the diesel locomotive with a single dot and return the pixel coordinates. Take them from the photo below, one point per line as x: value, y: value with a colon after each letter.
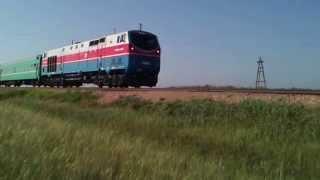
x: 127, y: 59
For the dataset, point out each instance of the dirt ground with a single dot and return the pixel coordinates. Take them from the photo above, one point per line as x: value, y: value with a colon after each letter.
x: 229, y: 97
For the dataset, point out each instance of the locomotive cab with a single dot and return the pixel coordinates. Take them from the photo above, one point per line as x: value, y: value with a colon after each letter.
x: 144, y: 59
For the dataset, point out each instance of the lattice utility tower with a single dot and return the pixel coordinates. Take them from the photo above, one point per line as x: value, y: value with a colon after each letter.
x: 261, y: 82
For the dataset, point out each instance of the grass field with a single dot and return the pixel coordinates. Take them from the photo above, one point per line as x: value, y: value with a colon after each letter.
x: 47, y: 134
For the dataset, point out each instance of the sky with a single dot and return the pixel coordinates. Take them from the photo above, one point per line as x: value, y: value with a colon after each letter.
x: 215, y: 42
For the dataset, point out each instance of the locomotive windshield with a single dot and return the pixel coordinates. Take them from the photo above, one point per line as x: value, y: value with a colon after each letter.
x: 144, y: 40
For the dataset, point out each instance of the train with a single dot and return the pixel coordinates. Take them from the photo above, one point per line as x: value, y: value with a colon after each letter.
x: 126, y: 59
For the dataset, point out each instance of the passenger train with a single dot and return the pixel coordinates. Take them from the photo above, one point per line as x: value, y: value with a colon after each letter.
x: 124, y: 59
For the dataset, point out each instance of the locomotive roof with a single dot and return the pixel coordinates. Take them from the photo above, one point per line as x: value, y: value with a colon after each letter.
x: 107, y: 35
x: 79, y: 42
x: 108, y: 40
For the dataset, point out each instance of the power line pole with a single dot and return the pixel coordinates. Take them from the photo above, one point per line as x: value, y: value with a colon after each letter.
x: 261, y: 82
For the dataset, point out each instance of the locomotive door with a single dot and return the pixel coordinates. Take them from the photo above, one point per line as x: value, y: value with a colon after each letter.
x: 38, y: 67
x: 100, y: 53
x: 98, y: 57
x: 91, y: 56
x: 61, y: 61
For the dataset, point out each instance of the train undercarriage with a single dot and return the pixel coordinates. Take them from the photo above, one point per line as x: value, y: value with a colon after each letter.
x: 101, y: 79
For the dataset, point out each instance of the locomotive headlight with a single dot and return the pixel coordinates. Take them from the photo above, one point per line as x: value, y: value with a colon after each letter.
x: 132, y: 48
x: 158, y: 51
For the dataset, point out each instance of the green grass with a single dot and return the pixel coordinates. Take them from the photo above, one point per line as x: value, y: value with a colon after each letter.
x: 47, y: 134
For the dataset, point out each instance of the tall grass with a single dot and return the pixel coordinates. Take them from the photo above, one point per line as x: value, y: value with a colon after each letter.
x: 47, y: 134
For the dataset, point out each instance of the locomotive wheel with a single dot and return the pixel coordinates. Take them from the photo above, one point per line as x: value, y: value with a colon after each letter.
x: 109, y: 81
x: 122, y: 81
x: 119, y: 82
x: 124, y: 86
x: 78, y: 85
x: 61, y: 83
x: 114, y: 80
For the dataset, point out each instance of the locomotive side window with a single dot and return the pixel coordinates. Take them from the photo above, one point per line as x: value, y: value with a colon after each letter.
x: 102, y: 40
x: 93, y: 43
x: 121, y: 38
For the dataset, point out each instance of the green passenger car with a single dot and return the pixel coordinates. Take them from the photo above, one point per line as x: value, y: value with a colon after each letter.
x: 25, y: 71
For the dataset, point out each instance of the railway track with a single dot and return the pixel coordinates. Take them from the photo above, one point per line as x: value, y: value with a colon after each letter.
x: 250, y: 91
x: 217, y: 90
x: 288, y: 92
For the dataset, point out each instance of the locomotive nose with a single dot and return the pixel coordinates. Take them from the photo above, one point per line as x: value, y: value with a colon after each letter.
x: 143, y: 70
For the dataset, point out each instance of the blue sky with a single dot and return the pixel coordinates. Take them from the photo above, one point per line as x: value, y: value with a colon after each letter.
x: 204, y: 42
